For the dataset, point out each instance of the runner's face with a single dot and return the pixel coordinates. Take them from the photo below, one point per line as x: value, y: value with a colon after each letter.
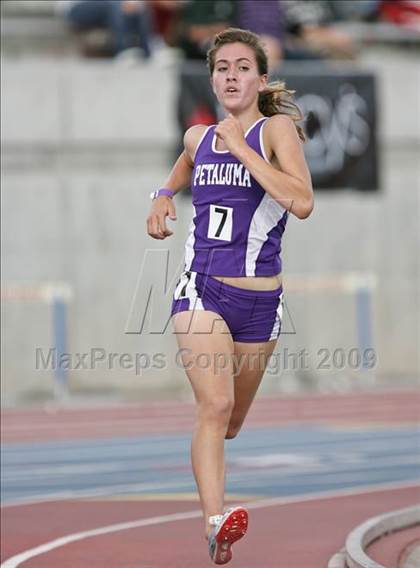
x: 235, y: 80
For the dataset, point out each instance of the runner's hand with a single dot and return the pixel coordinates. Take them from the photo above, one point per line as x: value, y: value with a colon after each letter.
x: 162, y: 207
x: 230, y: 131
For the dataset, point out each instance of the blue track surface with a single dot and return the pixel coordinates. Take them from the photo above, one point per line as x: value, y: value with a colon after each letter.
x: 263, y: 461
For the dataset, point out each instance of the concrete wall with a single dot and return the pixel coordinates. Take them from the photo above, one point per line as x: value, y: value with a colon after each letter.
x: 83, y: 146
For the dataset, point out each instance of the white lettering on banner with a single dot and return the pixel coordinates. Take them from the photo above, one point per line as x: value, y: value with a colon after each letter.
x: 343, y: 129
x: 222, y: 174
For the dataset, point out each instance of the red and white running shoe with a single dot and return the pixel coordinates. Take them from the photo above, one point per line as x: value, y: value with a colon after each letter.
x: 227, y: 529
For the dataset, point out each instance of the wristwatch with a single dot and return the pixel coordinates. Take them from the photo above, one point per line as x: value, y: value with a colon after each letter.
x: 160, y: 192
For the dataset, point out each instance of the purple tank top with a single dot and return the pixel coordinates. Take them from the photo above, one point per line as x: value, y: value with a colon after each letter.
x: 237, y: 226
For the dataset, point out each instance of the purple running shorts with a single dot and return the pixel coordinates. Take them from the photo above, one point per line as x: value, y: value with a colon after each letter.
x: 252, y: 316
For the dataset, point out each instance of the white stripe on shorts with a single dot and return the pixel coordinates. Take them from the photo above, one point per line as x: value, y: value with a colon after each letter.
x: 279, y: 316
x: 180, y: 286
x: 192, y: 294
x: 187, y: 281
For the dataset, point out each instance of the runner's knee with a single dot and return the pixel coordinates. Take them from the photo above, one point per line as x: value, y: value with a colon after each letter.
x: 216, y: 409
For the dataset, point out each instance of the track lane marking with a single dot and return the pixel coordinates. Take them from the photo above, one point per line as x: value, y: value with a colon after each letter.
x: 18, y: 559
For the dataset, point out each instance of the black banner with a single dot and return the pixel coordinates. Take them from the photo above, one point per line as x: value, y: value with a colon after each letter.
x: 340, y: 119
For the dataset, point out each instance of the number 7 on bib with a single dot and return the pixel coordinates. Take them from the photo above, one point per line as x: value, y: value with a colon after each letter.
x: 220, y: 223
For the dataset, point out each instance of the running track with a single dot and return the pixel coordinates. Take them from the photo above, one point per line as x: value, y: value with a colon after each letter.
x: 114, y: 483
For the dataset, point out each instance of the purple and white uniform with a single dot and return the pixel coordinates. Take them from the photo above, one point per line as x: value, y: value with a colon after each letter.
x: 236, y: 231
x: 237, y: 226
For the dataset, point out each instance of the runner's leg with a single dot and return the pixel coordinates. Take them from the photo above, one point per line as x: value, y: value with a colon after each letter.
x: 202, y: 338
x: 251, y: 360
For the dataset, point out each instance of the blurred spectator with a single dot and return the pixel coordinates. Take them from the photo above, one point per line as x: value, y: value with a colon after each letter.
x: 128, y: 22
x: 200, y: 21
x: 265, y: 19
x: 405, y: 13
x: 364, y: 10
x: 166, y: 16
x: 311, y: 22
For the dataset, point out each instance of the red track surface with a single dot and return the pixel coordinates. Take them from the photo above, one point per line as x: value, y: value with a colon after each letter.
x: 300, y: 535
x: 135, y: 419
x: 294, y: 535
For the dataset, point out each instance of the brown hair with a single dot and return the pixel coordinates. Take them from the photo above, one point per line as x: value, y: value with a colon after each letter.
x: 275, y: 98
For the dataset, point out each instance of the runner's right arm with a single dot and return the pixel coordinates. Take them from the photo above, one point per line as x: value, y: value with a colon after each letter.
x: 178, y: 179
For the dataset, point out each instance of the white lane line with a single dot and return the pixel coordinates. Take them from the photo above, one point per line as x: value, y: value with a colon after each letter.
x: 57, y: 543
x: 16, y: 560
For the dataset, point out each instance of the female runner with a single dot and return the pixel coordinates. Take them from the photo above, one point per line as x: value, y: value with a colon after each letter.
x: 247, y: 174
